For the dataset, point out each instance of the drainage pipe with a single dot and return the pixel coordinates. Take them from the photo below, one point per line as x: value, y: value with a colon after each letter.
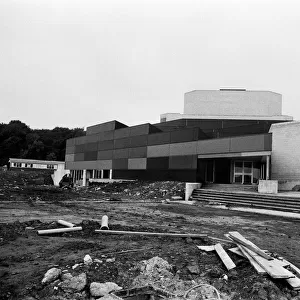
x: 58, y: 230
x: 179, y: 235
x: 65, y: 223
x: 104, y: 223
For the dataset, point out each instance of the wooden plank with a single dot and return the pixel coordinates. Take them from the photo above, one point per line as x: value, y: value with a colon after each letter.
x: 237, y: 251
x: 293, y: 267
x: 229, y: 264
x: 179, y: 235
x: 294, y: 283
x: 237, y: 237
x: 254, y: 264
x: 206, y: 248
x: 272, y: 267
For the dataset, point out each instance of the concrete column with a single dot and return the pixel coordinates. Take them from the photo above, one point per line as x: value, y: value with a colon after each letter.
x: 93, y: 176
x: 84, y: 178
x: 101, y: 174
x: 189, y: 187
x: 268, y: 167
x: 110, y: 174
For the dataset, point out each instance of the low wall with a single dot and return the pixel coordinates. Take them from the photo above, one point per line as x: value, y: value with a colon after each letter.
x: 189, y: 187
x: 268, y: 186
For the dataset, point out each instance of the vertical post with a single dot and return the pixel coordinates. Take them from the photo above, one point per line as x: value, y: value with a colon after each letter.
x: 268, y: 167
x: 84, y: 178
x: 101, y: 174
x: 110, y: 174
x: 93, y: 176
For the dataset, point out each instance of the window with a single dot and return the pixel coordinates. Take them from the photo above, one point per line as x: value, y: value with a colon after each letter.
x: 17, y: 165
x: 28, y: 165
x: 50, y: 166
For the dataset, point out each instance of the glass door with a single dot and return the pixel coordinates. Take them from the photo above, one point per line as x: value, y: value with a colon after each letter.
x: 243, y: 172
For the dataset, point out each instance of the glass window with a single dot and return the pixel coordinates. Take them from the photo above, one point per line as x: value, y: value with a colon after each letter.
x: 238, y: 178
x: 247, y: 167
x: 238, y: 167
x: 247, y: 179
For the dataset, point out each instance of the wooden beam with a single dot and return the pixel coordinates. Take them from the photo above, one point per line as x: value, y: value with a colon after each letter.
x: 229, y: 264
x: 237, y: 251
x: 272, y: 267
x: 253, y: 262
x: 238, y: 238
x: 179, y: 235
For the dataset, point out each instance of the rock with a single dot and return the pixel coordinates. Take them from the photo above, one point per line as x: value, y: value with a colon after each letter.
x: 111, y: 260
x: 66, y: 276
x: 87, y: 260
x: 176, y: 198
x: 215, y: 272
x: 51, y: 275
x: 267, y: 291
x: 74, y: 283
x: 194, y: 269
x: 75, y: 266
x: 189, y: 240
x: 99, y: 261
x: 98, y: 289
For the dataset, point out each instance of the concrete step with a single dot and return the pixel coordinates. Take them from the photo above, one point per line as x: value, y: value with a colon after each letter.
x: 248, y: 199
x: 254, y: 200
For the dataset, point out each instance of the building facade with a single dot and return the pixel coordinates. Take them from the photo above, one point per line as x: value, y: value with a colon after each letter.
x: 56, y: 168
x: 222, y: 136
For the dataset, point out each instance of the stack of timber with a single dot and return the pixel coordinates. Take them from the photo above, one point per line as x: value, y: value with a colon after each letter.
x: 263, y: 263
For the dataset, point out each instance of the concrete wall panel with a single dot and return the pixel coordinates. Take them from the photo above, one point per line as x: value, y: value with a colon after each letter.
x: 247, y: 143
x: 185, y: 135
x: 92, y: 138
x: 120, y: 164
x: 69, y: 157
x: 90, y: 155
x: 79, y: 148
x: 105, y: 154
x: 121, y: 133
x: 70, y: 142
x: 158, y: 163
x: 213, y: 146
x: 159, y: 138
x: 188, y: 148
x: 78, y: 156
x: 103, y: 127
x: 138, y: 141
x: 70, y: 150
x: 91, y: 147
x: 138, y: 152
x: 89, y: 165
x: 137, y: 163
x: 120, y: 153
x: 80, y: 140
x: 158, y: 150
x: 183, y: 162
x: 105, y: 145
x: 122, y: 143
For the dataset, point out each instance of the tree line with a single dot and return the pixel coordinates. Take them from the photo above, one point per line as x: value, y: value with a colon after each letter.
x: 18, y: 140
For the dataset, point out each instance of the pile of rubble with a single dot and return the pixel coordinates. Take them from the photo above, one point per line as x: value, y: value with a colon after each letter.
x: 141, y: 189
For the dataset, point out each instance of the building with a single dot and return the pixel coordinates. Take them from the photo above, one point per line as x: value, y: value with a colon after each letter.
x: 222, y: 136
x: 56, y: 168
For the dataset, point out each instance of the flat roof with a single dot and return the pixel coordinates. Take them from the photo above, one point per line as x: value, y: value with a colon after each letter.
x: 36, y: 161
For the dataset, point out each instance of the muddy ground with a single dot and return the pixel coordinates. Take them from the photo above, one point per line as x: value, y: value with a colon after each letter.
x: 26, y: 256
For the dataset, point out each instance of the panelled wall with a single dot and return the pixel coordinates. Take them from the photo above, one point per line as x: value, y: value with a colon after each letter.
x: 154, y: 152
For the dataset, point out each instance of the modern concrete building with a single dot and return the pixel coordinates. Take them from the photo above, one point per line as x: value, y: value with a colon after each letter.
x: 222, y: 136
x: 56, y: 168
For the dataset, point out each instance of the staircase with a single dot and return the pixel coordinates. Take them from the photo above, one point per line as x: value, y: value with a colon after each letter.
x: 248, y: 199
x: 230, y: 187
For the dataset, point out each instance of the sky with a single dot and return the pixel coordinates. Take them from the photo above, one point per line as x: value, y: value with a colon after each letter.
x: 76, y: 63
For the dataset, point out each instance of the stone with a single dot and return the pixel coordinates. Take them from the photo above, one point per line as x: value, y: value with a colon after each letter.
x: 87, y: 260
x: 98, y: 289
x: 111, y: 260
x: 74, y: 283
x: 194, y: 269
x: 66, y: 276
x: 51, y: 275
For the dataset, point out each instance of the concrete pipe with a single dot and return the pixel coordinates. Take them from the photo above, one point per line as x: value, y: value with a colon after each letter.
x: 58, y: 230
x: 104, y: 223
x: 65, y: 223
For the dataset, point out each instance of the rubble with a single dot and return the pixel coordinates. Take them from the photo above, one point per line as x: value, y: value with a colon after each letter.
x: 87, y: 260
x: 51, y: 275
x: 98, y: 289
x: 74, y: 283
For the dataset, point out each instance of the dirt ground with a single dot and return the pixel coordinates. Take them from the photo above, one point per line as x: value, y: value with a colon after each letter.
x: 26, y: 207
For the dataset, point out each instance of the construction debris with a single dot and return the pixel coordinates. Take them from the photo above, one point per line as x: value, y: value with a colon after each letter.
x: 58, y: 230
x: 179, y: 235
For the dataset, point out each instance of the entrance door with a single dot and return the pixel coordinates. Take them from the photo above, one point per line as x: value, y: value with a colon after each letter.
x: 243, y: 172
x: 210, y: 171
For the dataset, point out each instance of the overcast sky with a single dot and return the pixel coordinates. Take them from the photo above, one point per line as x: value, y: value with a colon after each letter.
x: 77, y: 63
